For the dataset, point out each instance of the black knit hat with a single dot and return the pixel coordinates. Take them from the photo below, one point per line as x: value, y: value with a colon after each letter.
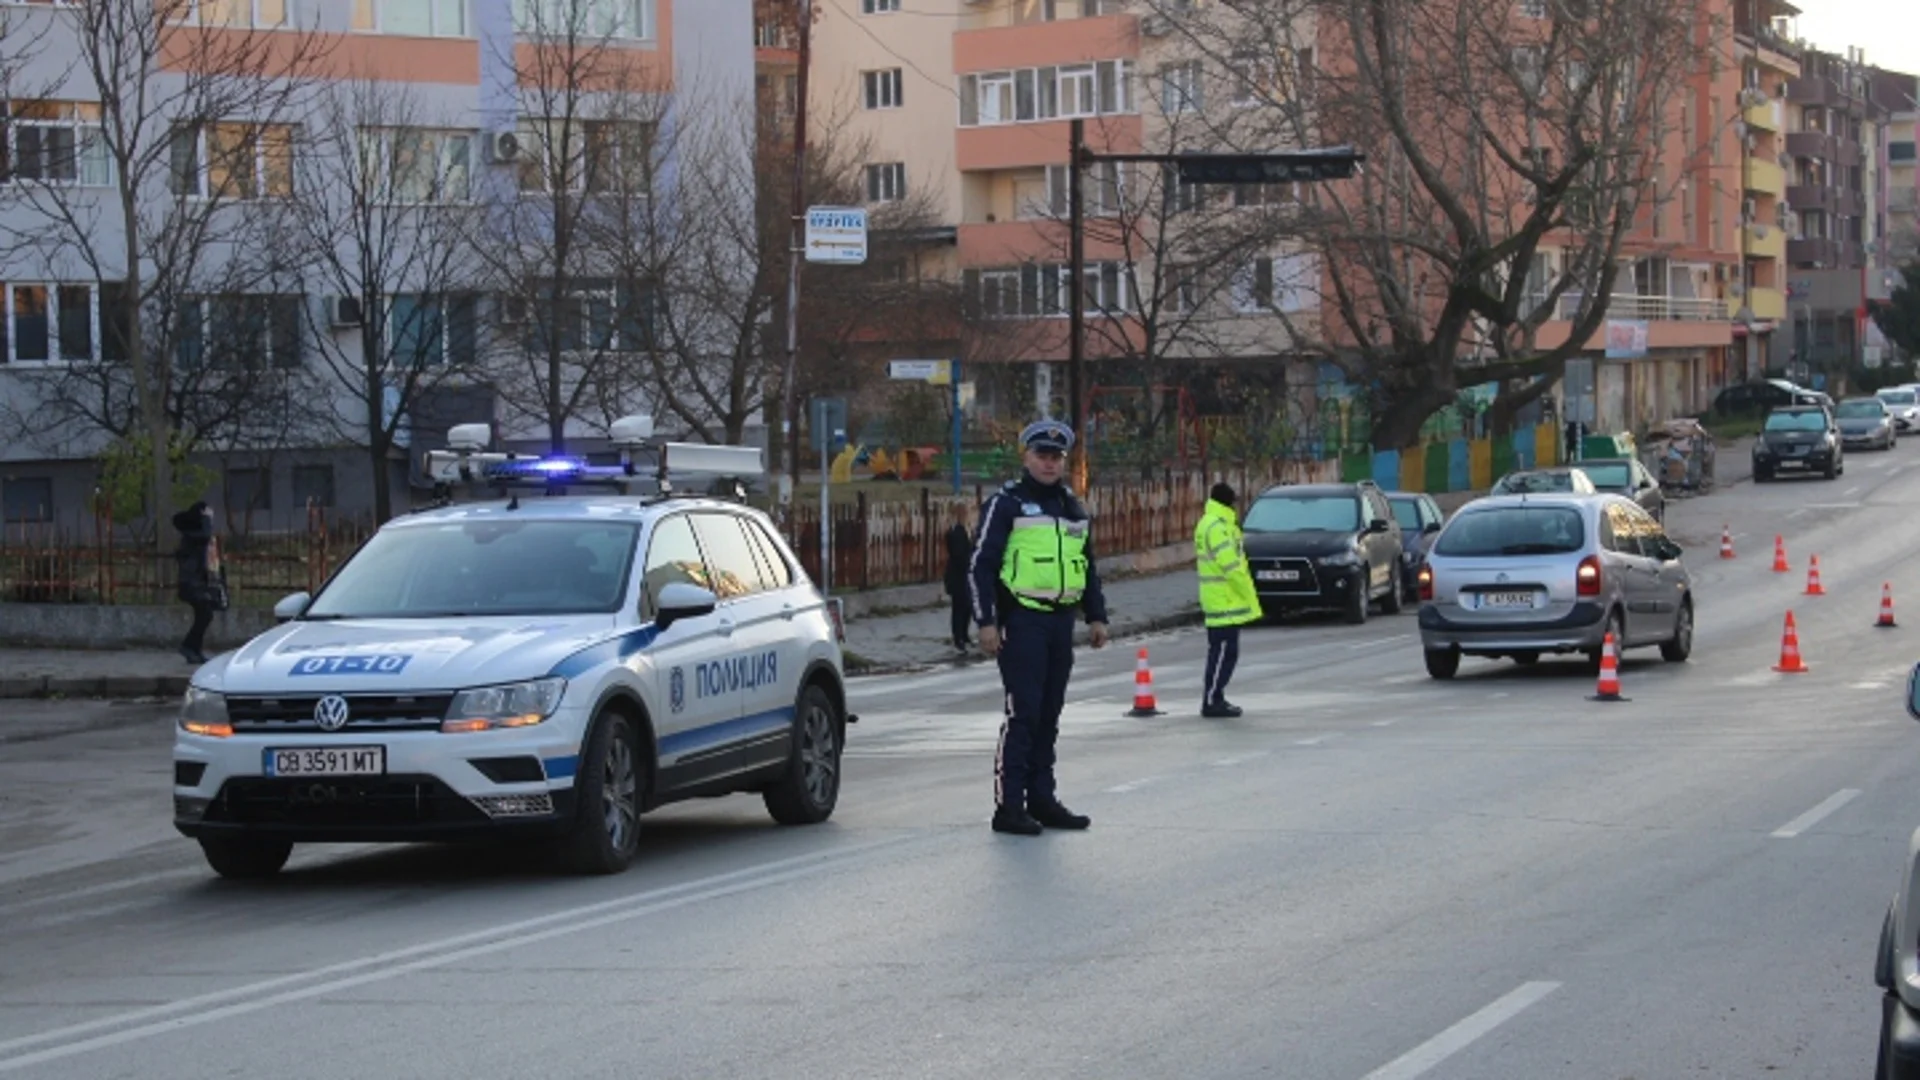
x: 1222, y: 494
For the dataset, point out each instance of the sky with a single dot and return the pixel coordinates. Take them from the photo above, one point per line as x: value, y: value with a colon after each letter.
x: 1888, y: 29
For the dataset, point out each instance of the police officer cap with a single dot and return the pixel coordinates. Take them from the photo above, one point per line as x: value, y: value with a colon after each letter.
x: 1047, y: 435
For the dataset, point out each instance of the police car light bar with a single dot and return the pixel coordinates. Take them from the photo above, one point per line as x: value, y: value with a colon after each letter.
x: 737, y: 461
x: 469, y: 437
x: 631, y: 432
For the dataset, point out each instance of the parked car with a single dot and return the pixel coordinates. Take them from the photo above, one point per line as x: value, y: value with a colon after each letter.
x: 1324, y: 546
x: 1800, y: 437
x: 1903, y: 403
x: 1896, y: 963
x: 1626, y: 476
x: 1757, y: 398
x: 1524, y: 575
x: 1420, y: 520
x: 1566, y: 478
x: 1865, y: 422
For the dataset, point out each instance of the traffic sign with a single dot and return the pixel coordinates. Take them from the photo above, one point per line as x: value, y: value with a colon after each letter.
x: 937, y: 372
x: 836, y: 234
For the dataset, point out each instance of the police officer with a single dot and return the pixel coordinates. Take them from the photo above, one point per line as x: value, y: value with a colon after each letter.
x: 1032, y: 567
x: 1227, y: 596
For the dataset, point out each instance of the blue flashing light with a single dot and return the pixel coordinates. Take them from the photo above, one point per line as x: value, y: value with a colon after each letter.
x: 557, y: 465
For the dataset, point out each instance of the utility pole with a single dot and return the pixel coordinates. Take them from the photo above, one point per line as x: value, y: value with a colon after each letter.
x: 1077, y: 301
x: 796, y: 247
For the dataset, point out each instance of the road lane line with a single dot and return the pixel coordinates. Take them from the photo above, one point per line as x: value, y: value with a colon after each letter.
x: 1227, y: 763
x: 398, y: 962
x: 1383, y: 723
x: 1812, y: 817
x: 1852, y: 491
x: 1317, y: 739
x: 1422, y: 1058
x: 1133, y: 785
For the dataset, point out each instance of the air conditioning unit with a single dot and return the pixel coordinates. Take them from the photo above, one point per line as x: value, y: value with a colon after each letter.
x: 1156, y: 25
x: 344, y: 311
x: 504, y: 146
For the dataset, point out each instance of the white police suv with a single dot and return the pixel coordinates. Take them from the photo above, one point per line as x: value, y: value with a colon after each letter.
x: 542, y: 663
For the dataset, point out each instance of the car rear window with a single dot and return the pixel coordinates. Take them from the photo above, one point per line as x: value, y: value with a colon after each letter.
x: 1613, y: 475
x: 1897, y: 397
x: 1858, y: 409
x: 1513, y: 530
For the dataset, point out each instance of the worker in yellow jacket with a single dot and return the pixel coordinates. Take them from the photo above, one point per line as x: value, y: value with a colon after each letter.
x: 1227, y: 597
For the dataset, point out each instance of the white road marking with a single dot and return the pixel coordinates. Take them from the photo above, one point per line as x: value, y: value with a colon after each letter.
x: 1317, y: 739
x: 379, y: 967
x: 1227, y: 763
x: 1372, y: 642
x: 1133, y: 785
x: 1383, y: 723
x: 1852, y: 491
x: 1422, y: 1058
x: 1813, y: 817
x: 1829, y: 506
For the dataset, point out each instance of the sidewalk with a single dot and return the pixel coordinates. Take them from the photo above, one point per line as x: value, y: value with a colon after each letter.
x: 912, y: 634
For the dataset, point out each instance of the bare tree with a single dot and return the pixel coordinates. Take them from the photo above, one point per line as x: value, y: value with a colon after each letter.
x: 1512, y: 149
x: 385, y: 212
x: 184, y: 122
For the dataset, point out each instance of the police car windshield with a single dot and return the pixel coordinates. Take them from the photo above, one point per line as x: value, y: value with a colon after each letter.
x: 1304, y: 513
x: 476, y: 568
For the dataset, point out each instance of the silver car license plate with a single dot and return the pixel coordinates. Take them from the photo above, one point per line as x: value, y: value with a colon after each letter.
x: 1507, y: 601
x: 1278, y: 575
x: 326, y: 761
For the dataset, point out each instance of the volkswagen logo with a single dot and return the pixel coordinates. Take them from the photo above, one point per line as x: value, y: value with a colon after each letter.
x: 331, y: 712
x: 1500, y: 579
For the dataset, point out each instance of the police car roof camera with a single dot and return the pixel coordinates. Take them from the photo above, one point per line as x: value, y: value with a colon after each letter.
x: 553, y: 668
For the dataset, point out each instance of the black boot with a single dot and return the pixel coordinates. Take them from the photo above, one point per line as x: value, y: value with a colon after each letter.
x: 1012, y: 819
x: 1055, y: 816
x: 1220, y: 711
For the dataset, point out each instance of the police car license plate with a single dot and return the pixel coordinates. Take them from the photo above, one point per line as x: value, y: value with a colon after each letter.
x: 326, y: 761
x: 1278, y: 575
x: 1507, y: 600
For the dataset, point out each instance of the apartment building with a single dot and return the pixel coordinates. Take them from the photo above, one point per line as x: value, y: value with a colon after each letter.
x: 1768, y: 60
x: 1900, y: 189
x: 460, y: 91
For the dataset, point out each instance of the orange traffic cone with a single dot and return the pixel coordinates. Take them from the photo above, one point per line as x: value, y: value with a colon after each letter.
x: 1814, y: 588
x: 1143, y: 703
x: 1780, y: 554
x: 1790, y: 662
x: 1886, y: 607
x: 1726, y: 542
x: 1609, y: 689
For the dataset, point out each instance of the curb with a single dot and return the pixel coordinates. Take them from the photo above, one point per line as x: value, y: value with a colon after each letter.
x: 113, y: 687
x: 1152, y: 625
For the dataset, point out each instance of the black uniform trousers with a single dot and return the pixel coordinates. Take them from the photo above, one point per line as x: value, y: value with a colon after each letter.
x: 1223, y: 652
x: 1036, y: 657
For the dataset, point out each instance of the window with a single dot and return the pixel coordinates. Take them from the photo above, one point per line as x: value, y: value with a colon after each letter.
x: 774, y: 569
x: 673, y: 557
x: 628, y: 19
x: 1036, y: 289
x: 257, y: 14
x: 418, y: 165
x: 412, y: 18
x: 1046, y: 93
x: 479, y: 569
x: 736, y: 572
x: 1178, y: 196
x: 1524, y: 529
x: 54, y: 142
x: 1181, y: 294
x: 313, y: 485
x: 26, y: 498
x: 249, y: 489
x: 595, y: 315
x: 1100, y: 190
x: 887, y: 183
x: 1532, y: 9
x: 233, y: 161
x: 587, y: 155
x: 1033, y: 11
x: 61, y: 322
x: 238, y: 331
x: 1256, y: 79
x: 1180, y: 88
x: 1279, y: 193
x: 1304, y: 513
x: 432, y: 331
x: 1285, y: 284
x: 1529, y: 69
x: 878, y: 7
x: 881, y: 89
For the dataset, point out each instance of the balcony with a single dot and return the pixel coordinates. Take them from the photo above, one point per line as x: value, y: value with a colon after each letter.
x: 1813, y: 251
x: 1811, y: 197
x: 1811, y: 144
x: 1765, y: 242
x: 1046, y: 44
x: 1010, y: 243
x: 1816, y: 91
x: 1025, y: 145
x: 1649, y: 308
x: 1674, y: 322
x: 1764, y: 177
x: 1766, y: 116
x: 1766, y: 303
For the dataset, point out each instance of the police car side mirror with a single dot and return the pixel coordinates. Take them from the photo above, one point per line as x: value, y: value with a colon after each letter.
x: 683, y: 601
x: 290, y: 607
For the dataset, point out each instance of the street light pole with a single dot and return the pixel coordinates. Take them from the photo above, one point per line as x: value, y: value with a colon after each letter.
x: 1077, y: 301
x: 796, y: 248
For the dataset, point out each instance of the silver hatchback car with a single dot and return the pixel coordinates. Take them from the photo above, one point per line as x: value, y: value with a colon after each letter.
x: 1523, y: 575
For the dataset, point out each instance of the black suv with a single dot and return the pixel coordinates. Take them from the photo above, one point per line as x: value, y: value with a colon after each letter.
x: 1799, y: 437
x: 1331, y: 546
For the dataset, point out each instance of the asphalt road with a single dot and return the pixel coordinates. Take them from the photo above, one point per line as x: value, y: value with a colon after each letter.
x: 1370, y: 876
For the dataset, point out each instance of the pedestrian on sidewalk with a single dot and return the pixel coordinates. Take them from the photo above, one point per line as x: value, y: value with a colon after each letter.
x: 1227, y: 596
x: 202, y: 579
x: 1031, y: 571
x: 959, y: 551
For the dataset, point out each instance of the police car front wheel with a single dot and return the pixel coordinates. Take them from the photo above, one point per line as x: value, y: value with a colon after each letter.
x: 810, y: 788
x: 245, y: 857
x: 607, y: 831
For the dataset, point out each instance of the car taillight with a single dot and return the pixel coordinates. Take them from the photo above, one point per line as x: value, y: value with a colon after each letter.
x: 1586, y: 580
x: 1425, y: 580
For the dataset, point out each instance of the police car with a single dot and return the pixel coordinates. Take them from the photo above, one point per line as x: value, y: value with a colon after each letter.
x: 540, y: 663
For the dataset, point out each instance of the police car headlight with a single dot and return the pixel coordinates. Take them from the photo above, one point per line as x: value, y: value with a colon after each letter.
x: 204, y: 712
x: 510, y: 706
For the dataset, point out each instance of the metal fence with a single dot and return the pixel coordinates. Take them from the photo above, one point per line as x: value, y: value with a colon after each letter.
x: 46, y: 564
